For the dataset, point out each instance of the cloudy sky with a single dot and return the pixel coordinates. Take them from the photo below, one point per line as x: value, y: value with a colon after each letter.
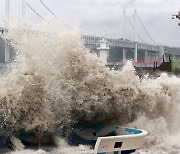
x: 105, y: 17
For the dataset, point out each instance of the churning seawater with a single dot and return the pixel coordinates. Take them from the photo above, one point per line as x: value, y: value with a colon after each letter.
x: 55, y: 81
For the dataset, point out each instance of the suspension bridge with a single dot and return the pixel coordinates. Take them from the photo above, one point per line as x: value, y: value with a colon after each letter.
x: 120, y: 49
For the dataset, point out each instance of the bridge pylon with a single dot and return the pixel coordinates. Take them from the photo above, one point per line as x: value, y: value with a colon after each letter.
x: 7, y: 9
x: 23, y: 12
x: 124, y: 25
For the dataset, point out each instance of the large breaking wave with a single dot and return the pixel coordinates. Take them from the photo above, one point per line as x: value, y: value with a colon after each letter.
x: 55, y: 81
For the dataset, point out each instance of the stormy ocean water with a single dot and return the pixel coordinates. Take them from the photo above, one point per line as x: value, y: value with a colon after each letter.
x: 55, y: 81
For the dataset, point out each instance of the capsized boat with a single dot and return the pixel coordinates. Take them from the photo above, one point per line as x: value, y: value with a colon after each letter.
x: 103, y: 138
x: 107, y: 138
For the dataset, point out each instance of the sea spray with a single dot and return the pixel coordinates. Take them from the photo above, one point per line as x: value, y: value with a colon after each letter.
x: 64, y: 148
x: 17, y: 145
x: 61, y: 83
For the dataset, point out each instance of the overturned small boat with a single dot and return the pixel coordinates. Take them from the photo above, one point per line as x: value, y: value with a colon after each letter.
x: 103, y: 138
x: 107, y: 138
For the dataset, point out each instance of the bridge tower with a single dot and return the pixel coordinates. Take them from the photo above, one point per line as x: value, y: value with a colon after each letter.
x: 23, y: 12
x: 135, y: 37
x: 7, y: 48
x: 124, y: 25
x: 134, y: 26
x: 104, y: 51
x: 7, y: 8
x: 9, y: 5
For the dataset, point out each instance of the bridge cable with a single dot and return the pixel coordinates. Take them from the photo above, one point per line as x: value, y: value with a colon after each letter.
x: 145, y: 29
x: 134, y: 28
x: 35, y: 11
x: 48, y: 8
x: 52, y: 12
x: 137, y: 33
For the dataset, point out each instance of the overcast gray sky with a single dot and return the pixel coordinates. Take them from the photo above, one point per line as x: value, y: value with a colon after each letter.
x: 105, y: 17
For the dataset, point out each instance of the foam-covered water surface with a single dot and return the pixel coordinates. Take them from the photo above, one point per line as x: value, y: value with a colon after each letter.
x: 55, y: 81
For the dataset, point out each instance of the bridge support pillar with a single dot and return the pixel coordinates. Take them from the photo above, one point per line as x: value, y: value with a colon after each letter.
x: 135, y: 52
x: 104, y: 51
x: 124, y: 55
x: 7, y: 52
x: 161, y: 51
x: 146, y: 58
